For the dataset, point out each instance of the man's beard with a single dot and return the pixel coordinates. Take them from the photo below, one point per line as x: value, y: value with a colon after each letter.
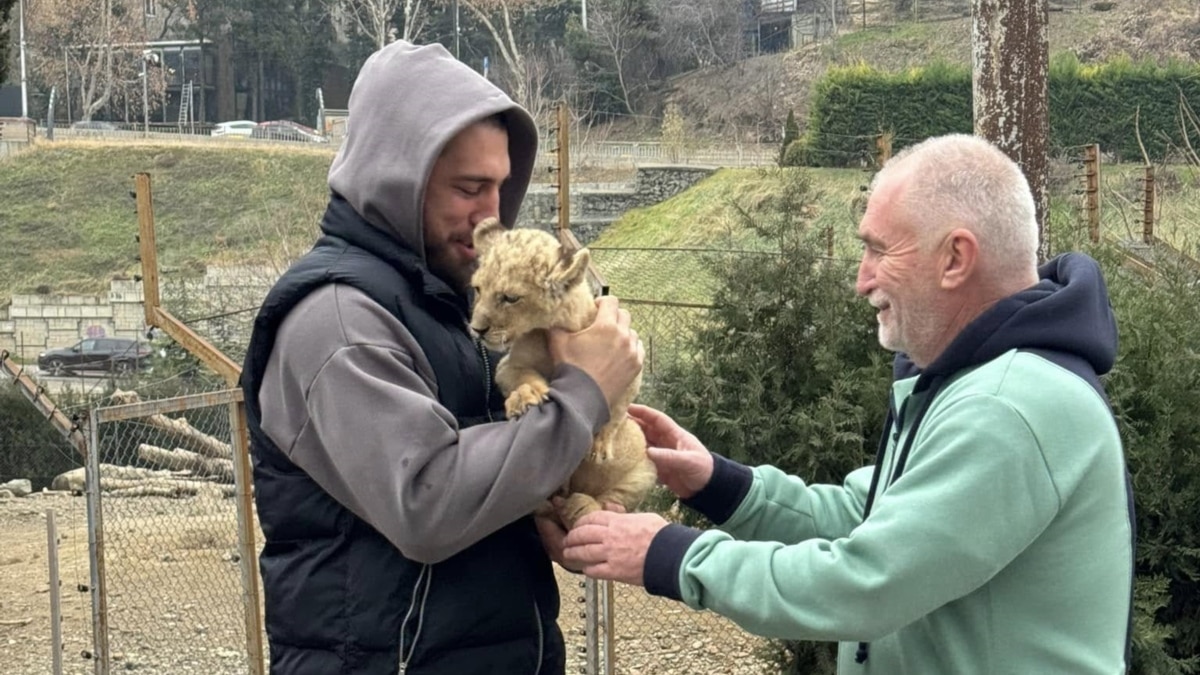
x: 456, y: 274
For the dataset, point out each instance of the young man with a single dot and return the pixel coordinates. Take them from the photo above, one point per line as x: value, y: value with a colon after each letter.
x: 994, y: 532
x: 393, y: 496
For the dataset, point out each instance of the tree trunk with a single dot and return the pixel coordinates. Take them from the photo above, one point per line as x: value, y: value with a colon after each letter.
x: 180, y: 459
x: 1011, y: 58
x: 226, y: 92
x: 206, y: 445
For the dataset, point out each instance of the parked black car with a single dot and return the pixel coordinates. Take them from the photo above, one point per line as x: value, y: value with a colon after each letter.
x: 116, y: 355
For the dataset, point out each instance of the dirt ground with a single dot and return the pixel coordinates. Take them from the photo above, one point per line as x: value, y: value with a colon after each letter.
x: 174, y: 598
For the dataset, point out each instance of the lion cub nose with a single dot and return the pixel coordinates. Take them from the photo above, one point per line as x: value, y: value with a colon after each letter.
x: 479, y: 331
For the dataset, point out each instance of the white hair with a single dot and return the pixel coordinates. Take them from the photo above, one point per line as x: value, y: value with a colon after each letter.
x: 965, y: 181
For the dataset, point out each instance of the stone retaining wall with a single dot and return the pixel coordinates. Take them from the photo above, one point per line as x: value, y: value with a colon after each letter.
x: 34, y: 322
x: 594, y: 209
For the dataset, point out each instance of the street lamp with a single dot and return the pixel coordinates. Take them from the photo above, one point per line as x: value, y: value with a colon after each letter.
x: 24, y: 89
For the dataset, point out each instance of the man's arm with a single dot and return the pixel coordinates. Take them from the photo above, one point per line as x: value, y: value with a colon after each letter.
x: 784, y: 508
x: 349, y: 397
x: 971, y: 501
x: 753, y: 504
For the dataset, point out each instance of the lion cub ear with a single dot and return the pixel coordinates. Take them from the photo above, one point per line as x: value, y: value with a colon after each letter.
x: 486, y: 233
x: 569, y: 271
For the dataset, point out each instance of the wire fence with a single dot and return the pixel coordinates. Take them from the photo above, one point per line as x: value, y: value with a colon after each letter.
x: 162, y: 479
x: 174, y: 568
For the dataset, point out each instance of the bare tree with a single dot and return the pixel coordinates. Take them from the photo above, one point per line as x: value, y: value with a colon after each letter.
x: 373, y: 18
x: 499, y: 18
x: 95, y: 46
x: 831, y: 9
x: 700, y: 32
x: 537, y: 76
x: 627, y: 36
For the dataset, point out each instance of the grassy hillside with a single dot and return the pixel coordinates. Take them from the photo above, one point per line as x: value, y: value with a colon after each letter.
x: 69, y: 224
x: 705, y: 216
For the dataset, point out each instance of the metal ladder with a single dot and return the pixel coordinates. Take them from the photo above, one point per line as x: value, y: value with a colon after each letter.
x: 185, y: 106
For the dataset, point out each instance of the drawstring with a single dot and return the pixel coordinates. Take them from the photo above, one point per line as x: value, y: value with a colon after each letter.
x: 912, y: 431
x: 864, y: 648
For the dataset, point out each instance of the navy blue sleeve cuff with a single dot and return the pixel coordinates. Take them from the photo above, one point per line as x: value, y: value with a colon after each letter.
x: 729, y: 485
x: 663, y: 559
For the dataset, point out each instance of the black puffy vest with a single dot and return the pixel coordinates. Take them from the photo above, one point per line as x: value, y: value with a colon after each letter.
x: 337, y: 593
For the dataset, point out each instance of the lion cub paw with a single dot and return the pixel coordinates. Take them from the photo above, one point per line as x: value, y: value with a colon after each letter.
x: 577, y: 506
x: 602, y: 452
x: 525, y: 397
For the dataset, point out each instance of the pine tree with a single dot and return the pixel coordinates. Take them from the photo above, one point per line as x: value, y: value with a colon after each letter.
x: 791, y: 132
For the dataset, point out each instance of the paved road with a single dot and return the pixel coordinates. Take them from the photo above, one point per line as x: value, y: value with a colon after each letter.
x: 83, y: 383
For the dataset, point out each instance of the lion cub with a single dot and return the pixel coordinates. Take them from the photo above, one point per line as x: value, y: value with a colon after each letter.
x: 525, y: 285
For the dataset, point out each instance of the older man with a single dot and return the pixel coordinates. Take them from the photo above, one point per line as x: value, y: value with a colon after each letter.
x: 993, y: 534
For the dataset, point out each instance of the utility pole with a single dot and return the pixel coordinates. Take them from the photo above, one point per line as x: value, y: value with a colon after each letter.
x: 24, y: 88
x: 67, y: 71
x: 457, y: 31
x: 145, y: 97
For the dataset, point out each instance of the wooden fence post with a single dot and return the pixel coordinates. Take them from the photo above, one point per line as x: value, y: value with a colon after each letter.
x: 1148, y: 206
x: 1092, y: 189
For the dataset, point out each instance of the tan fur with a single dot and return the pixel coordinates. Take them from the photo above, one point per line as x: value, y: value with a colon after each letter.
x: 525, y: 285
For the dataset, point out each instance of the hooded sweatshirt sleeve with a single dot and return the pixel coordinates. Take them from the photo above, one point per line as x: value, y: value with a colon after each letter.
x: 875, y: 580
x: 766, y: 504
x: 350, y: 398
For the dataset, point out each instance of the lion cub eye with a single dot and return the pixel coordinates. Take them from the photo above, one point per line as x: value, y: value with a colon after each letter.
x: 510, y: 299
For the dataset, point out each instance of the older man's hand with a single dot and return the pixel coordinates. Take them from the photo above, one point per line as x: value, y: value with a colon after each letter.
x: 607, y: 545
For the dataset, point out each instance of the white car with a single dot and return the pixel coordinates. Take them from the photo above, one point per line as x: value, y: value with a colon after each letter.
x: 235, y: 128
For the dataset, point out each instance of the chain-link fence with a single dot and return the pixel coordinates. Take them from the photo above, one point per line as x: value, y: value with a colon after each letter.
x: 174, y: 585
x: 668, y: 291
x: 168, y: 573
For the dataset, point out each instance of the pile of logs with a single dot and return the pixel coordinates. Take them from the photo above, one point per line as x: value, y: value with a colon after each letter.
x: 205, y: 466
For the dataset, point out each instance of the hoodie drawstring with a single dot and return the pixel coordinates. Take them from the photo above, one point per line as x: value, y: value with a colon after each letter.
x: 864, y: 648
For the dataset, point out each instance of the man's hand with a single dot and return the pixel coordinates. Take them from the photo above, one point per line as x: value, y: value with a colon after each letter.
x: 609, y: 351
x: 684, y: 464
x: 553, y: 536
x: 552, y: 533
x: 609, y: 545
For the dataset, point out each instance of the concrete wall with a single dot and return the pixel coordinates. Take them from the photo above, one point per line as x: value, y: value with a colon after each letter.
x: 16, y: 134
x: 32, y: 323
x: 594, y: 207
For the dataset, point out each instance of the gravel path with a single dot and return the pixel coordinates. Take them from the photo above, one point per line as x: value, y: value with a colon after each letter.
x: 175, y: 603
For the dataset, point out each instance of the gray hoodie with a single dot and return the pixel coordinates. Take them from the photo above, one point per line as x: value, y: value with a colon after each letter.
x: 347, y: 393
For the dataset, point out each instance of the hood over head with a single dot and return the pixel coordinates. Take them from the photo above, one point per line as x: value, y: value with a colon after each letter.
x: 407, y: 103
x: 1067, y: 311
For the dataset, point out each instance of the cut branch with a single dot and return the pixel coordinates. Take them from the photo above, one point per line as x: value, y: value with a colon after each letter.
x: 201, y: 442
x: 180, y: 459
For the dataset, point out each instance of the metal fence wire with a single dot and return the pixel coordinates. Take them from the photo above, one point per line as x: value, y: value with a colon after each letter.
x: 169, y: 569
x: 614, y: 628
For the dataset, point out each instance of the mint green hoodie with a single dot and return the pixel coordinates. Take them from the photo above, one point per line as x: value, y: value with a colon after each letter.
x: 1004, y: 546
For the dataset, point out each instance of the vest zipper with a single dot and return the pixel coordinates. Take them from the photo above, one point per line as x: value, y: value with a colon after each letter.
x: 537, y: 616
x: 426, y: 575
x: 487, y: 384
